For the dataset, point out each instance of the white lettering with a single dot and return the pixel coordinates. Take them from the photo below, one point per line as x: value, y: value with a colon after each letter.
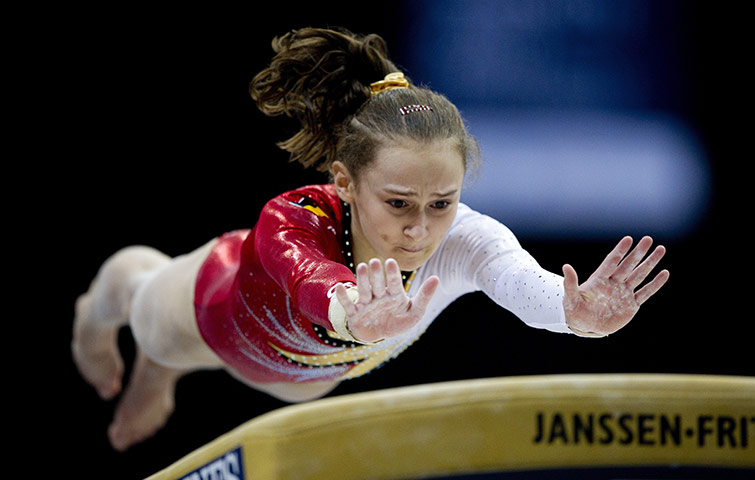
x: 227, y: 467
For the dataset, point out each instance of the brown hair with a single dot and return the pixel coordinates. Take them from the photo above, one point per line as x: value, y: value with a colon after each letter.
x: 322, y: 77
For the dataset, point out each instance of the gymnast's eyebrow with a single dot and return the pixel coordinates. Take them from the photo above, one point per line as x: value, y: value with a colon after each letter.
x: 408, y: 192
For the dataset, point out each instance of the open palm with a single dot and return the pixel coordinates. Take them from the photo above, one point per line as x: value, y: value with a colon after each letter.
x: 383, y: 309
x: 607, y: 301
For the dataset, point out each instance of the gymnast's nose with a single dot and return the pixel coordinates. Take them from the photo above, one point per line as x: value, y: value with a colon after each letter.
x: 417, y: 229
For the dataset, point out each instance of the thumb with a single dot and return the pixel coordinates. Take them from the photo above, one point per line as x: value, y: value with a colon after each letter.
x: 347, y: 299
x: 571, y: 282
x: 426, y: 292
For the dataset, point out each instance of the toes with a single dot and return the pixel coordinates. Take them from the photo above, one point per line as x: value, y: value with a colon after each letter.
x: 131, y: 427
x: 117, y: 438
x: 102, y: 369
x: 111, y: 390
x: 147, y: 404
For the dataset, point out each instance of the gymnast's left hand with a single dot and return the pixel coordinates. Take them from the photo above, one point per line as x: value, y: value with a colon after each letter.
x: 383, y: 309
x: 607, y: 301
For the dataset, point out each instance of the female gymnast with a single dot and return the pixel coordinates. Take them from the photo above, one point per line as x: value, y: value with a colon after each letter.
x: 334, y: 280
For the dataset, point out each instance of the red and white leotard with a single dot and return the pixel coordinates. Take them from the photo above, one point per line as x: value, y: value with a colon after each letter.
x: 262, y: 295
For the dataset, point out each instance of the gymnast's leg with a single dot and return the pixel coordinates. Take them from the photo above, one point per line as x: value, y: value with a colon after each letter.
x: 169, y: 345
x: 154, y: 294
x: 103, y: 310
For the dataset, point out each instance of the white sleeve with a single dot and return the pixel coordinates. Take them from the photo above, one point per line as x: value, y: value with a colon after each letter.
x: 485, y: 255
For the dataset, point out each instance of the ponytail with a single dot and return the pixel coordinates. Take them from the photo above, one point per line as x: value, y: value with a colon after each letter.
x: 321, y: 77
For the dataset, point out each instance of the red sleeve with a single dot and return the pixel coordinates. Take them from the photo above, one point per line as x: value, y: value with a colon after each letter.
x: 298, y: 241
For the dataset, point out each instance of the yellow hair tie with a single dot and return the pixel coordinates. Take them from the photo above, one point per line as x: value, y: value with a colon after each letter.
x: 392, y: 80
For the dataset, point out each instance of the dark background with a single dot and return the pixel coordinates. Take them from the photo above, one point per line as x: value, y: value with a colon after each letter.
x: 155, y: 141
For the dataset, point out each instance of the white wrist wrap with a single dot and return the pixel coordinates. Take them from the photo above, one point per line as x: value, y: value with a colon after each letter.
x: 337, y: 315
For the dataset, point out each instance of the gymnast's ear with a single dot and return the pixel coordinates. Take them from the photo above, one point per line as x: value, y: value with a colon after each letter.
x: 343, y: 181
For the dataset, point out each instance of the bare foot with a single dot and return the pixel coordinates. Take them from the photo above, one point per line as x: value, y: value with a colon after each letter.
x: 146, y: 405
x: 95, y: 352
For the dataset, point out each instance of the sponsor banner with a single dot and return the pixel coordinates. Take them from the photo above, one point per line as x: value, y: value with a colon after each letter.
x: 228, y: 466
x: 644, y: 429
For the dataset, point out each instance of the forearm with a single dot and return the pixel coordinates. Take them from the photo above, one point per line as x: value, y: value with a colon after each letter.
x: 532, y: 293
x: 299, y: 250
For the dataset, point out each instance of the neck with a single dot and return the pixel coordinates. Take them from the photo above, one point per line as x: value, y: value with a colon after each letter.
x: 361, y: 250
x: 357, y: 250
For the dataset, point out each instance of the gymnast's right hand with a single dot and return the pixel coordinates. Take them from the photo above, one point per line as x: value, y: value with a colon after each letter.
x: 383, y: 309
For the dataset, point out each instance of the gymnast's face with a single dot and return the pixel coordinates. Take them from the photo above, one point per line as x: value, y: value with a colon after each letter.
x: 404, y: 202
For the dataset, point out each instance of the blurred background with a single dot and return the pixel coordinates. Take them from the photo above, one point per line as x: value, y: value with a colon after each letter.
x: 596, y: 119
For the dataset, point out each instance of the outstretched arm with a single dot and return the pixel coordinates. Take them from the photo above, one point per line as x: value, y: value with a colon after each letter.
x: 607, y: 301
x: 383, y: 309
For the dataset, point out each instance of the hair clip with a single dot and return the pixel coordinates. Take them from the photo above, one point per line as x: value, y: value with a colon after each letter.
x: 413, y: 108
x: 392, y: 80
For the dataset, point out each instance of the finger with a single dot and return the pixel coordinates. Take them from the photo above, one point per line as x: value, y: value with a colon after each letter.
x: 631, y: 261
x: 363, y: 283
x: 649, y: 290
x: 422, y: 299
x: 377, y: 278
x: 393, y: 277
x: 345, y: 301
x: 640, y: 273
x: 571, y: 282
x: 612, y: 260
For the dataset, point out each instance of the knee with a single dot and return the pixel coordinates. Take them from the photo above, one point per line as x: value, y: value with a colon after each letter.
x: 149, y: 322
x: 120, y: 275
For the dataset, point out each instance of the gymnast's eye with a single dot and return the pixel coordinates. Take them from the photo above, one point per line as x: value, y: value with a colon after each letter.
x: 397, y: 203
x: 441, y: 204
